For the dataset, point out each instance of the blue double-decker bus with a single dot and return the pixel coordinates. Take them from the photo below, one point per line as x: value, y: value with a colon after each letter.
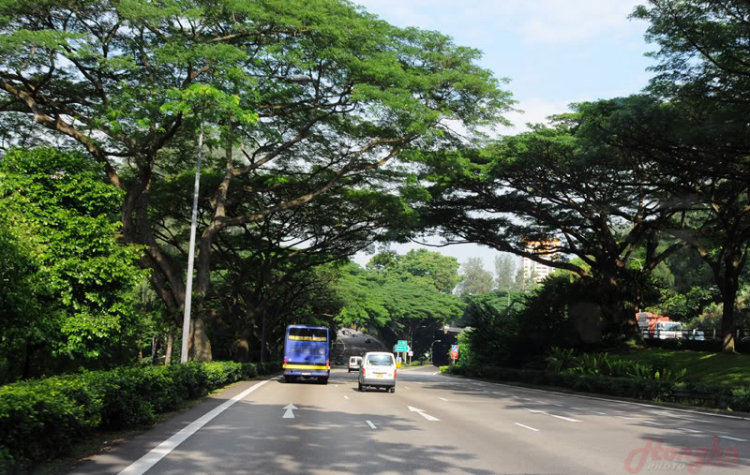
x: 307, y: 353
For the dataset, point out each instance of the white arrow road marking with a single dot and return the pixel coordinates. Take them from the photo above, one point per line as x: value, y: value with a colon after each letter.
x: 372, y: 426
x: 553, y: 415
x: 526, y: 427
x: 422, y: 413
x: 289, y: 414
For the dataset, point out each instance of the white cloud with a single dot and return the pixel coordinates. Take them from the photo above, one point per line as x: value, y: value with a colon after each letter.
x: 535, y: 21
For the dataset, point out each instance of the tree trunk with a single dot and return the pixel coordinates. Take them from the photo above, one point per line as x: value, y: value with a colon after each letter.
x: 199, y: 345
x: 168, y: 356
x: 728, y: 297
x: 263, y: 335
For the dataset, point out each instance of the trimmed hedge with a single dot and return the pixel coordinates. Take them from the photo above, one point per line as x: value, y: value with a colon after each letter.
x: 40, y: 419
x: 735, y: 399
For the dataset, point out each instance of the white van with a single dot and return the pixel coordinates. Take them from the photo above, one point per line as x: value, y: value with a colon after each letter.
x: 378, y: 371
x: 354, y: 363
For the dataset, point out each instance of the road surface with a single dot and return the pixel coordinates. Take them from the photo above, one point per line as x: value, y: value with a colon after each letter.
x: 432, y: 424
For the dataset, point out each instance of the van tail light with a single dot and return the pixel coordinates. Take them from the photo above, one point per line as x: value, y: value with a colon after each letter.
x: 363, y: 370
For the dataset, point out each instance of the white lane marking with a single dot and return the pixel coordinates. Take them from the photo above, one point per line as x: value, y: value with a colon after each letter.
x: 346, y: 397
x: 526, y: 427
x: 689, y: 430
x: 335, y: 385
x: 600, y: 413
x: 289, y: 414
x: 420, y: 382
x: 650, y: 406
x: 553, y: 415
x: 436, y: 373
x: 526, y: 399
x: 443, y: 399
x: 653, y: 423
x: 372, y: 426
x: 422, y: 413
x: 498, y: 393
x: 143, y: 464
x: 737, y: 439
x: 407, y: 387
x: 626, y: 418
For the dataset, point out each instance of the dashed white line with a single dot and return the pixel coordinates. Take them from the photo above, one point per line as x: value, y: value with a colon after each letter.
x: 689, y: 430
x: 372, y: 426
x: 526, y: 427
x: 737, y: 439
x: 553, y: 415
x: 407, y: 387
x: 346, y: 397
x: 626, y: 418
x: 443, y: 399
x: 653, y: 423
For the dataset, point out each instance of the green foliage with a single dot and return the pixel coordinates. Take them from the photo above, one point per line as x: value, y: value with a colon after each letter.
x: 58, y: 240
x: 43, y: 418
x: 475, y: 279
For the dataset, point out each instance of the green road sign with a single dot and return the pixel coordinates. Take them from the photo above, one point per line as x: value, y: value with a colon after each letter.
x: 399, y: 348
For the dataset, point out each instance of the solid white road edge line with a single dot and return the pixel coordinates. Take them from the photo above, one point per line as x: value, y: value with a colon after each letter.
x: 140, y: 466
x: 372, y: 426
x: 526, y: 427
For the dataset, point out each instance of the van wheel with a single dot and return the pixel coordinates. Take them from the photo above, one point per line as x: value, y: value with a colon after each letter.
x: 289, y: 379
x: 323, y: 380
x: 393, y: 389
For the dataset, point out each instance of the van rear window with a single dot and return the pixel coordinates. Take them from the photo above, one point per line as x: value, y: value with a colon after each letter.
x: 380, y: 360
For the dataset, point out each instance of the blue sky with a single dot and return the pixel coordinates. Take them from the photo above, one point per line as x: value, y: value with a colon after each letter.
x: 554, y: 52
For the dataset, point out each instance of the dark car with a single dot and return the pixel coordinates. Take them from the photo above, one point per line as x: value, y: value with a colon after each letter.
x: 367, y: 340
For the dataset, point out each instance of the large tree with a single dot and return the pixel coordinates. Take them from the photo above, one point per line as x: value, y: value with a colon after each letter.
x: 571, y: 195
x: 697, y: 154
x: 476, y: 280
x: 332, y: 91
x: 704, y: 71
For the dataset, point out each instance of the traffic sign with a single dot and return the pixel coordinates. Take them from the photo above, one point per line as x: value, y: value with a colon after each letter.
x: 399, y: 348
x: 402, y: 342
x: 411, y: 353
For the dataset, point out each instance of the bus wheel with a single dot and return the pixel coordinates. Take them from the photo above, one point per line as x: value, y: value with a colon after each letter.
x: 288, y: 378
x: 323, y: 380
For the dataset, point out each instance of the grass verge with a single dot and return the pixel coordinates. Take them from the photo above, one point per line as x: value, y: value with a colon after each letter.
x: 720, y: 369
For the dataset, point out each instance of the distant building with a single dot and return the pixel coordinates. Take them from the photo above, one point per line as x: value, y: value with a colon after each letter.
x: 532, y: 268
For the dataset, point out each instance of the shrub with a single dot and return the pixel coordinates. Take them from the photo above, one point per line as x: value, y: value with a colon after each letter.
x: 43, y: 418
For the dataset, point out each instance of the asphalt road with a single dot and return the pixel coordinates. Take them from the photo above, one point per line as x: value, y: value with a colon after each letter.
x: 432, y: 424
